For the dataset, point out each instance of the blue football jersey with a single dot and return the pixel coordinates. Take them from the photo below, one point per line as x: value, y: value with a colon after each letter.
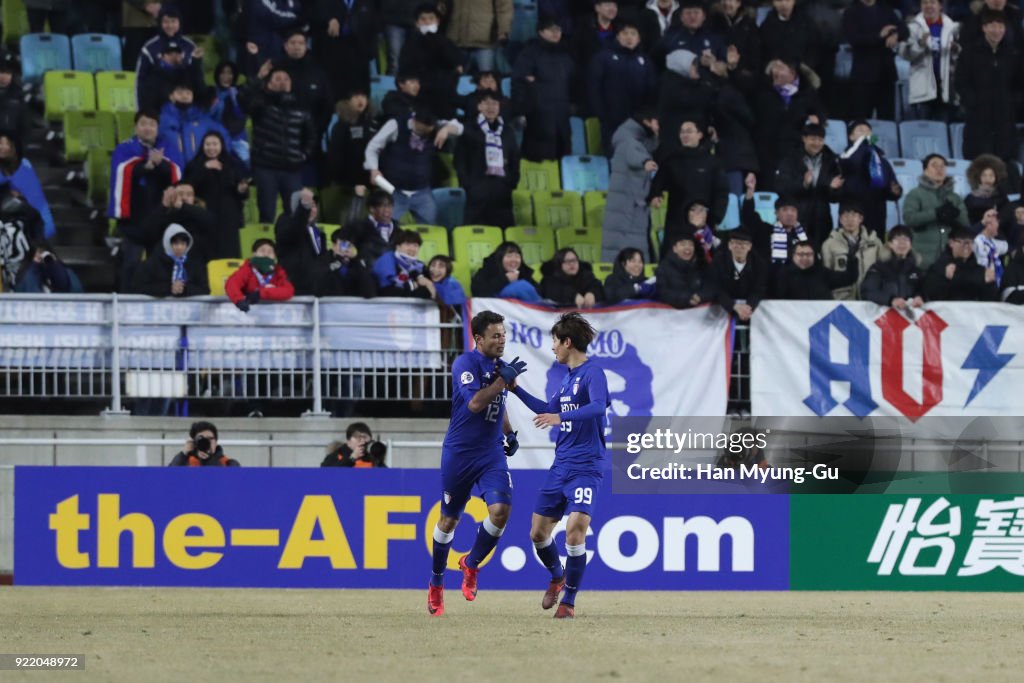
x: 469, y: 433
x: 583, y: 403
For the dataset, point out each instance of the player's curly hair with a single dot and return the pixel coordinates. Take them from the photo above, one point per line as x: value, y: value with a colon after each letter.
x: 575, y: 328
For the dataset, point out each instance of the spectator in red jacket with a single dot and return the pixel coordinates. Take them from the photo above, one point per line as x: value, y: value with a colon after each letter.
x: 261, y: 278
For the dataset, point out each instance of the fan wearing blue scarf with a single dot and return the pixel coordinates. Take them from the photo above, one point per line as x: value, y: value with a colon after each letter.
x: 180, y: 243
x: 401, y: 273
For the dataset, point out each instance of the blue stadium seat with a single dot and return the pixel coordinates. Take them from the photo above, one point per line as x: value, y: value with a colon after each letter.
x: 918, y: 139
x: 584, y: 173
x: 506, y: 86
x: 833, y: 209
x: 451, y: 206
x: 379, y: 87
x: 835, y: 135
x: 466, y: 85
x: 42, y: 52
x: 579, y: 137
x: 96, y: 52
x: 957, y: 170
x: 524, y: 22
x: 731, y: 220
x: 762, y: 14
x: 764, y: 205
x: 893, y: 214
x: 1013, y: 197
x: 956, y: 137
x: 888, y: 136
x: 907, y: 171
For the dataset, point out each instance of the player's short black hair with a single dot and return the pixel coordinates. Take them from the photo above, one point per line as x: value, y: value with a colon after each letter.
x: 483, y: 320
x: 202, y: 426
x: 575, y: 328
x: 360, y: 427
x: 261, y: 241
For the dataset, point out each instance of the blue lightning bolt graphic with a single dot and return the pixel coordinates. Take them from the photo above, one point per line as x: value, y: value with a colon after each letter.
x: 986, y: 359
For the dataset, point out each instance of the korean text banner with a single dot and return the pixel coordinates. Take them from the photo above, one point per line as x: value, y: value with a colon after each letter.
x: 658, y: 360
x: 859, y: 359
x: 363, y: 529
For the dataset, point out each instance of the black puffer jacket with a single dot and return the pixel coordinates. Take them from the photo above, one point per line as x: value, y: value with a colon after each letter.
x: 282, y: 133
x: 562, y: 289
x: 679, y: 280
x: 620, y: 285
x: 891, y: 278
x: 491, y: 278
x: 691, y: 174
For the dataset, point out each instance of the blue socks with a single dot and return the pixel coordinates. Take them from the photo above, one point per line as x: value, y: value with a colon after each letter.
x: 486, y: 538
x: 548, y: 554
x: 575, y: 564
x: 442, y: 544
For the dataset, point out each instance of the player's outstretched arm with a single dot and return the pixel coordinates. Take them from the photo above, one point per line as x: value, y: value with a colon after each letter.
x: 530, y: 401
x: 597, y: 388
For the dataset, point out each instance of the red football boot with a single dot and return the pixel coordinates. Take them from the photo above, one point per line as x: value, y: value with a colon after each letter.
x: 435, y: 600
x: 551, y: 594
x: 565, y: 611
x: 468, y: 580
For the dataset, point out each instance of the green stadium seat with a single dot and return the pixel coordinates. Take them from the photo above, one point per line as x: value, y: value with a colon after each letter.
x: 252, y: 232
x: 462, y: 273
x: 585, y: 241
x: 558, y: 209
x: 602, y: 270
x: 658, y: 215
x: 85, y: 130
x: 125, y: 124
x: 593, y: 208
x: 539, y: 176
x: 15, y: 20
x: 538, y: 244
x: 592, y: 132
x: 522, y: 207
x: 115, y: 91
x: 649, y: 269
x: 97, y: 175
x: 435, y: 241
x: 65, y: 91
x: 473, y: 243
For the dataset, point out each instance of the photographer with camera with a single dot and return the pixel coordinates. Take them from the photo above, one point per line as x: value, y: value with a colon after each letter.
x: 45, y: 273
x: 401, y: 273
x: 359, y: 449
x: 202, y: 450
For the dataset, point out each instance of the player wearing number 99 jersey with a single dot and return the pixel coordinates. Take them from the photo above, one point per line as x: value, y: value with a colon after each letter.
x: 474, y: 453
x: 578, y: 411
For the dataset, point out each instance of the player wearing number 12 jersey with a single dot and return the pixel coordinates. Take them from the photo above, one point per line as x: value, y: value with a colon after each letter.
x: 578, y: 411
x: 474, y: 452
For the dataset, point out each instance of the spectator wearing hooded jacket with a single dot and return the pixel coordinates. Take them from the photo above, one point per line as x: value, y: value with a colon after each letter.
x: 568, y: 281
x: 933, y: 209
x: 628, y: 279
x: 685, y: 93
x: 170, y: 271
x: 220, y: 182
x: 505, y: 275
x: 487, y: 162
x: 683, y: 276
x: 868, y: 177
x: 259, y: 278
x: 19, y: 173
x: 185, y: 124
x: 541, y: 82
x: 627, y: 213
x: 621, y: 77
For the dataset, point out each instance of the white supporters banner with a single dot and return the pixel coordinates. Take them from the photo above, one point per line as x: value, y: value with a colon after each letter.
x: 658, y: 361
x: 858, y: 359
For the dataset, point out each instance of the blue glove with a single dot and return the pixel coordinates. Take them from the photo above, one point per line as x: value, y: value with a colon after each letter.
x: 511, y: 444
x: 509, y: 371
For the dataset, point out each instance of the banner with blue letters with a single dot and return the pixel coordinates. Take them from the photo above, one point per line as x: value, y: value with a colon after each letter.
x: 365, y: 528
x: 859, y: 359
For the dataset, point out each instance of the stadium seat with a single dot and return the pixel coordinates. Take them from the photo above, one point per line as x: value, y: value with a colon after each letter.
x: 449, y: 178
x: 465, y: 86
x: 451, y: 206
x: 593, y: 208
x: 957, y: 170
x: 650, y: 269
x: 888, y: 136
x: 893, y: 214
x: 473, y: 243
x: 1015, y: 197
x: 435, y: 240
x: 585, y: 241
x: 956, y: 137
x: 579, y: 137
x: 524, y: 22
x: 592, y: 129
x: 833, y: 210
x: 558, y: 209
x: 462, y: 273
x: 65, y: 91
x: 94, y: 52
x: 658, y: 215
x: 85, y: 130
x: 252, y: 232
x: 835, y: 135
x: 115, y: 91
x: 218, y: 271
x: 381, y: 62
x: 585, y: 173
x: 731, y: 220
x: 602, y: 270
x: 539, y: 176
x: 918, y: 139
x: 125, y: 124
x: 97, y: 175
x: 379, y: 87
x: 538, y: 244
x: 522, y: 207
x: 506, y: 86
x: 908, y: 172
x: 42, y: 52
x: 764, y: 205
x: 15, y: 21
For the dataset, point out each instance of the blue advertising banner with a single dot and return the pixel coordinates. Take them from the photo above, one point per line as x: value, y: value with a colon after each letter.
x: 313, y: 528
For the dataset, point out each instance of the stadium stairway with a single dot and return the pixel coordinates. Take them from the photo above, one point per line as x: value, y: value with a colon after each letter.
x: 80, y: 234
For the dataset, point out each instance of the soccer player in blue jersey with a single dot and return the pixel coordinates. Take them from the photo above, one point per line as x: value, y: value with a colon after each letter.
x: 578, y: 410
x: 478, y: 441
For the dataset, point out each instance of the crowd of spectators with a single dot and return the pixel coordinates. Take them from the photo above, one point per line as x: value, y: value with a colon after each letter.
x: 695, y: 100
